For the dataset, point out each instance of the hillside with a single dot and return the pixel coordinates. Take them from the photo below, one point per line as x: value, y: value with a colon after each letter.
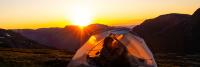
x: 69, y: 38
x: 10, y: 39
x: 171, y: 33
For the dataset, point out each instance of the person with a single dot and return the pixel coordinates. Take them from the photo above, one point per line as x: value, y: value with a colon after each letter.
x: 104, y: 54
x: 107, y: 47
x: 119, y: 54
x: 113, y: 54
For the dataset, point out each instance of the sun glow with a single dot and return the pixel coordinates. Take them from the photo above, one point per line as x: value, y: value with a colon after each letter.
x: 81, y: 16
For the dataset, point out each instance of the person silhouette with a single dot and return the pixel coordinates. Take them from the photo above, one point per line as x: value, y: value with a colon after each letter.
x: 107, y: 47
x: 112, y: 54
x: 119, y: 53
x: 105, y: 53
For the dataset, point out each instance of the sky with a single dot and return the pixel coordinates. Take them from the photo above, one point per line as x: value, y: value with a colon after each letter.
x: 19, y: 14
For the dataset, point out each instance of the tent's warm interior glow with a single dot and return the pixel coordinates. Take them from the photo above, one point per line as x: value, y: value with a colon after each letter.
x: 81, y: 16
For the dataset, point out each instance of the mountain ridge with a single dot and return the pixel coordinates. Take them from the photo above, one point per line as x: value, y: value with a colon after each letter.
x: 10, y: 39
x: 70, y: 37
x: 171, y: 33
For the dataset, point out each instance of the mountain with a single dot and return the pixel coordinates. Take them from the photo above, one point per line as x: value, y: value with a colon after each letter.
x: 10, y: 39
x: 69, y: 38
x: 172, y: 33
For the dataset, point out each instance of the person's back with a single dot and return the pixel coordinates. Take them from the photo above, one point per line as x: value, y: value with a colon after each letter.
x: 120, y: 58
x: 105, y: 51
x: 114, y: 56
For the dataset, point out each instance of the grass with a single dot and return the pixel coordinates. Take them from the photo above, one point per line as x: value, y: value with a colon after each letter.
x: 12, y: 57
x: 34, y: 57
x: 177, y: 60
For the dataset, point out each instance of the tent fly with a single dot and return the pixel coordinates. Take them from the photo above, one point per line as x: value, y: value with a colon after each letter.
x: 125, y: 49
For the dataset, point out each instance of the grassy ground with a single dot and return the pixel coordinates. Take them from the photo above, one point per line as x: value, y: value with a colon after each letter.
x: 60, y: 58
x: 34, y: 58
x: 176, y: 60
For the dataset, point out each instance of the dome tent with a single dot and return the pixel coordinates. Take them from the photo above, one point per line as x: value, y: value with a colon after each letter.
x: 136, y: 47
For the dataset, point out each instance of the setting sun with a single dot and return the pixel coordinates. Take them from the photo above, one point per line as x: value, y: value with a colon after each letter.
x: 81, y: 16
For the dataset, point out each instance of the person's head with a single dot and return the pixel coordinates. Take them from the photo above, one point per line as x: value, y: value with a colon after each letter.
x: 108, y: 41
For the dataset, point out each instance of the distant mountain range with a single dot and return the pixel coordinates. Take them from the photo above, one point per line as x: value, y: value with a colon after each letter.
x: 10, y: 39
x: 172, y: 33
x: 166, y: 33
x: 69, y: 38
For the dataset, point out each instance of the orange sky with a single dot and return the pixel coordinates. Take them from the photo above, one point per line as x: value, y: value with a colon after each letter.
x: 56, y: 13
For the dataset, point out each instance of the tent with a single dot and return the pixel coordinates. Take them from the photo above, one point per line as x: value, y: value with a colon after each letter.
x: 138, y: 52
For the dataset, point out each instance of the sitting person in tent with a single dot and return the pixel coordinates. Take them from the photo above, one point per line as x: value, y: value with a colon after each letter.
x: 119, y: 55
x: 113, y: 54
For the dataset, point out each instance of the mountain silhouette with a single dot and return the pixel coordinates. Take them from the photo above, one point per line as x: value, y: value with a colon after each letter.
x: 69, y: 38
x: 172, y: 33
x: 10, y: 39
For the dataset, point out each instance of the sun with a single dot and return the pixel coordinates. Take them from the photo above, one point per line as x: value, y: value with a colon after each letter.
x: 81, y: 16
